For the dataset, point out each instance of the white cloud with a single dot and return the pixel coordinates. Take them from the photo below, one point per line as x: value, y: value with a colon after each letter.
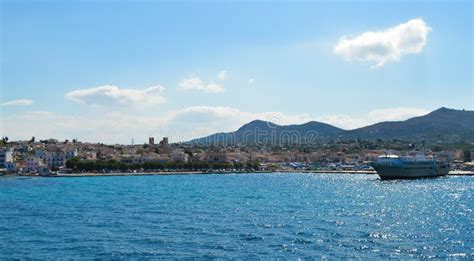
x: 112, y: 95
x: 395, y: 114
x: 374, y: 116
x: 179, y: 125
x: 384, y: 46
x: 199, y: 121
x: 222, y: 75
x: 343, y: 121
x: 110, y: 128
x: 113, y: 127
x: 251, y: 81
x: 213, y: 88
x: 195, y: 83
x: 21, y: 102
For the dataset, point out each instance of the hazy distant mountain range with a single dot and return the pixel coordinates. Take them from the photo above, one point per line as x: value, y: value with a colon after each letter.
x: 445, y: 125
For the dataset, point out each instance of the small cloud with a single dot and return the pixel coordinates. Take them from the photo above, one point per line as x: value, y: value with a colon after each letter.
x: 344, y: 121
x: 395, y: 114
x: 195, y: 83
x: 374, y: 116
x: 113, y: 95
x: 251, y: 81
x: 222, y: 75
x: 191, y: 83
x: 385, y: 46
x: 21, y: 102
x: 213, y: 87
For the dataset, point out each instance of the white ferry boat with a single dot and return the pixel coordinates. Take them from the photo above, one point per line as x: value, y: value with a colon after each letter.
x: 409, y: 167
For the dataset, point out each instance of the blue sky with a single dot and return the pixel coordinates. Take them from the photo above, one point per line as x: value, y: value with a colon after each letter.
x: 213, y: 66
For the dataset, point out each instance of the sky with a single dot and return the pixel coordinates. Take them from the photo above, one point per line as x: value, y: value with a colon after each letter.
x: 113, y: 71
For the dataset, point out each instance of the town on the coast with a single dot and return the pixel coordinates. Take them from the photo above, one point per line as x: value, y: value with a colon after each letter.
x: 445, y: 135
x: 53, y: 157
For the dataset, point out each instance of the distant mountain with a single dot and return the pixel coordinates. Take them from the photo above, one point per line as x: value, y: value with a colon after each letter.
x: 442, y: 124
x: 446, y: 125
x: 262, y: 132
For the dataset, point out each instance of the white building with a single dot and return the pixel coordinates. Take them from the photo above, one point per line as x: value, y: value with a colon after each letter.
x: 10, y: 166
x: 6, y: 155
x: 71, y: 153
x: 216, y: 157
x: 54, y: 159
x: 32, y: 164
x: 179, y: 156
x: 6, y: 159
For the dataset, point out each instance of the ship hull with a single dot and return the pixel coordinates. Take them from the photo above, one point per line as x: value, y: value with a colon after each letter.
x: 388, y: 172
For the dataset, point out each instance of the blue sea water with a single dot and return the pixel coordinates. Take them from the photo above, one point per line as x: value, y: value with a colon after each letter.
x: 245, y: 216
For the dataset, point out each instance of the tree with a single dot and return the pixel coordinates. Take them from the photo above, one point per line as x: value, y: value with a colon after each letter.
x: 71, y: 163
x: 467, y: 155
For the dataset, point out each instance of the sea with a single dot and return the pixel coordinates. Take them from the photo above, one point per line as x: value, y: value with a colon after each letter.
x: 236, y: 216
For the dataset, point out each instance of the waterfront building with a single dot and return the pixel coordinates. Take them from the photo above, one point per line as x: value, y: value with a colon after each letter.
x: 150, y: 157
x: 10, y: 166
x: 6, y: 155
x: 179, y: 156
x: 6, y: 160
x: 43, y: 169
x: 216, y: 157
x: 55, y: 159
x: 32, y: 164
x: 140, y: 159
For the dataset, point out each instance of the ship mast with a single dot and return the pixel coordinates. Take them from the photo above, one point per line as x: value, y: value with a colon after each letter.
x: 424, y: 151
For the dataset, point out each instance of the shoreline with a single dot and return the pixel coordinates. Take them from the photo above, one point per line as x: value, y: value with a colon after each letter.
x: 162, y: 173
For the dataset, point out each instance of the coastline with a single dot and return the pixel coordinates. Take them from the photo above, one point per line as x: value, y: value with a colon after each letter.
x: 163, y: 173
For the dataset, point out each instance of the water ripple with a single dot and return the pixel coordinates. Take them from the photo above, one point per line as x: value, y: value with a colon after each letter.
x: 282, y: 216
